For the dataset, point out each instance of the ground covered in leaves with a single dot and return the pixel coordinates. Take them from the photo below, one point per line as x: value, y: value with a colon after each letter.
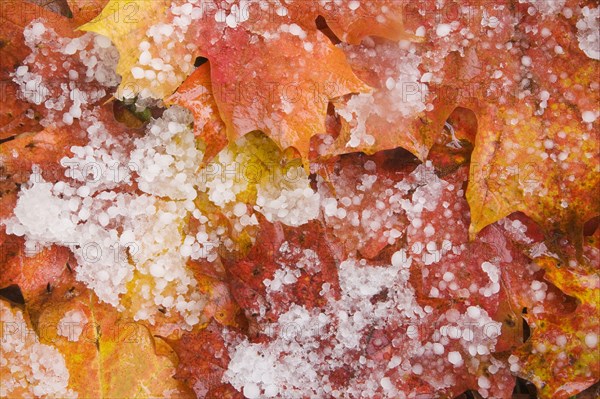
x: 299, y: 199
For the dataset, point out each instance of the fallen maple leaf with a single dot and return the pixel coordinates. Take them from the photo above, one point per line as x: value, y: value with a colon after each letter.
x: 569, y: 361
x: 28, y: 367
x: 102, y: 351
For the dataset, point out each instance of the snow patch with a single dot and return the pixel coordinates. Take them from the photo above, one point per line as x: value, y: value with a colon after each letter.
x: 588, y: 32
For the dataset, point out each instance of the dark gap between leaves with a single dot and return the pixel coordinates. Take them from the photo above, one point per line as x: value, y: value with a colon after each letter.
x: 200, y: 61
x: 13, y: 294
x: 526, y: 329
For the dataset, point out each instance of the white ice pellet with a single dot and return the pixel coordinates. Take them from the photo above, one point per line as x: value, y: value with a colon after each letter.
x: 296, y: 30
x: 429, y: 230
x: 401, y: 259
x: 186, y: 9
x: 38, y: 29
x: 455, y: 358
x: 591, y: 340
x: 251, y: 391
x: 145, y: 58
x: 426, y: 78
x: 589, y: 116
x: 22, y: 70
x: 484, y: 382
x: 474, y: 312
x: 239, y: 209
x: 231, y: 21
x: 353, y: 5
x: 443, y: 30
x: 137, y: 73
x: 157, y: 270
x: 83, y: 191
x: 386, y: 384
x: 220, y: 15
x: 390, y: 83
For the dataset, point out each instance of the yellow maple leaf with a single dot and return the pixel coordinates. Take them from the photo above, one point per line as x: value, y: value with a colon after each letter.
x: 561, y: 357
x: 522, y: 163
x: 537, y: 148
x: 127, y: 24
x: 102, y: 351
